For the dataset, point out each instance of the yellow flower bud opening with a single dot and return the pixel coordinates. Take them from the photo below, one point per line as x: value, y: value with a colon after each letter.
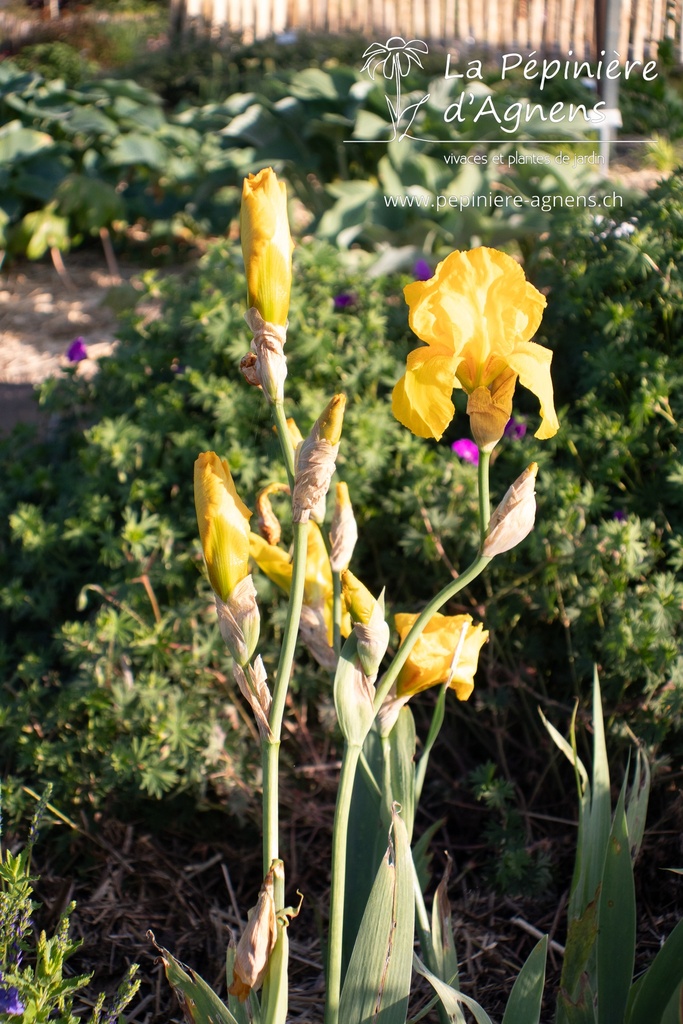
x: 331, y: 420
x: 223, y: 521
x: 477, y: 315
x: 266, y: 245
x: 432, y: 660
x: 357, y: 598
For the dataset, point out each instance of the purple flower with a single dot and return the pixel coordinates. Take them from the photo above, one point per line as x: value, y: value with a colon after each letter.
x: 344, y: 300
x: 466, y: 450
x: 10, y: 1001
x: 422, y: 270
x: 515, y: 429
x: 619, y: 515
x: 77, y: 350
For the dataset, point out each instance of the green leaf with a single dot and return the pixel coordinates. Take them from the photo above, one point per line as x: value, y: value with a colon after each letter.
x: 136, y: 148
x: 402, y: 741
x: 19, y: 143
x: 659, y: 985
x: 524, y: 1004
x: 636, y: 805
x: 450, y: 997
x: 616, y: 923
x: 377, y: 984
x: 40, y: 231
x: 581, y: 938
x: 443, y: 940
x: 200, y: 1003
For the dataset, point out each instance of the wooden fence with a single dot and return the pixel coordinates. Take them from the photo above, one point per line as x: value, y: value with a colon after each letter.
x: 548, y: 26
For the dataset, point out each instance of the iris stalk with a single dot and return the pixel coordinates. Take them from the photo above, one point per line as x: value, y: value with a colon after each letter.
x: 352, y: 754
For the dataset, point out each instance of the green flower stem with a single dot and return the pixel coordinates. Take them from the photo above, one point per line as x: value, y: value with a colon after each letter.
x: 337, y: 610
x: 434, y: 730
x: 484, y: 499
x: 271, y: 746
x: 339, y: 844
x: 270, y: 750
x: 285, y: 440
x: 413, y: 635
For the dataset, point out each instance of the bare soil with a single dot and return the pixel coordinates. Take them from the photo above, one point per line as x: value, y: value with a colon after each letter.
x: 41, y: 314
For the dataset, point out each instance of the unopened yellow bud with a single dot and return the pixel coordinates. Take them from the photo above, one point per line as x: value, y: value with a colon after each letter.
x: 490, y: 408
x: 223, y: 521
x: 294, y: 432
x: 370, y: 627
x: 331, y: 420
x: 266, y: 245
x: 357, y: 598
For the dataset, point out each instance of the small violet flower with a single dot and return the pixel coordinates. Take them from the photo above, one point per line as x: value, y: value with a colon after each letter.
x: 466, y: 450
x: 619, y: 515
x: 515, y: 429
x: 10, y: 1002
x: 77, y: 351
x: 344, y: 300
x: 422, y: 270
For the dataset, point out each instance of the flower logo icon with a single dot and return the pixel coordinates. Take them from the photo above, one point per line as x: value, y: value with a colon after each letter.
x: 395, y: 58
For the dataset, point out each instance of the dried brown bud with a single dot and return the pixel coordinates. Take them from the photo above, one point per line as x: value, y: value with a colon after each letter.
x: 268, y: 522
x: 256, y: 945
x: 254, y: 687
x: 514, y: 518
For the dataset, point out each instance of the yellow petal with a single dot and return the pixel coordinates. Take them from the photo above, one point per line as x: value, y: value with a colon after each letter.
x: 431, y: 660
x: 223, y: 521
x: 421, y: 400
x: 479, y: 309
x: 271, y: 560
x: 532, y: 363
x: 266, y: 245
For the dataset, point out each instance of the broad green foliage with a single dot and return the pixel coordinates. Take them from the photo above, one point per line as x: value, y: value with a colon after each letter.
x: 101, y: 153
x: 97, y: 523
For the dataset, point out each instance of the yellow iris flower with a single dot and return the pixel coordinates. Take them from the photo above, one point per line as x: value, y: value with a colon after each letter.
x: 476, y: 314
x: 223, y: 521
x: 447, y: 649
x: 266, y: 245
x: 276, y: 563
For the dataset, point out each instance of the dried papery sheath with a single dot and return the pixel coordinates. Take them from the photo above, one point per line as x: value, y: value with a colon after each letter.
x: 256, y: 945
x: 314, y: 634
x: 268, y: 522
x: 490, y: 408
x: 239, y: 620
x: 316, y: 457
x: 265, y: 366
x: 254, y: 687
x: 344, y: 530
x: 514, y: 518
x: 390, y: 710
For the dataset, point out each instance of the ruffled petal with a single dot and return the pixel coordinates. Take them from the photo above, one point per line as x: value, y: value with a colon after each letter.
x: 421, y: 400
x: 532, y: 363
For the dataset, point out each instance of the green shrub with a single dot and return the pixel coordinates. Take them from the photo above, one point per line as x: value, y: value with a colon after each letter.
x: 115, y: 681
